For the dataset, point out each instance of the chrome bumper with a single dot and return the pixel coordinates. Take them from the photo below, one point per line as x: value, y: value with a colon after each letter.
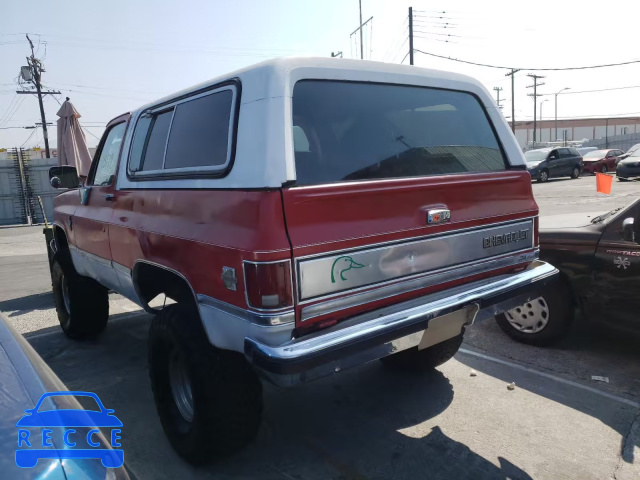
x: 388, y: 330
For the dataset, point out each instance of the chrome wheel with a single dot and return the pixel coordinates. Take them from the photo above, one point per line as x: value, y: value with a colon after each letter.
x: 65, y: 294
x: 531, y: 317
x: 544, y: 176
x: 604, y: 169
x: 180, y: 382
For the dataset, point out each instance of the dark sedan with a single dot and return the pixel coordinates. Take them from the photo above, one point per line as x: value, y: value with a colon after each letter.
x: 602, y: 161
x: 546, y: 163
x: 630, y: 166
x: 599, y: 265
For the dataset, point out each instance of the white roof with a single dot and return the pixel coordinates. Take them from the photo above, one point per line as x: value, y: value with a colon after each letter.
x: 275, y: 75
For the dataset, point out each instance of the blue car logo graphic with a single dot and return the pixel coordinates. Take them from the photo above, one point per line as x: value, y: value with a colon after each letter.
x: 72, y: 423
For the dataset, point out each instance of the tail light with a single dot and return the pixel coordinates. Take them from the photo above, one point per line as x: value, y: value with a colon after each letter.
x: 268, y: 285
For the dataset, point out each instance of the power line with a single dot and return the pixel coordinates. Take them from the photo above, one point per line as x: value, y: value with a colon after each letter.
x: 29, y: 137
x: 598, y: 90
x: 529, y: 69
x: 97, y: 138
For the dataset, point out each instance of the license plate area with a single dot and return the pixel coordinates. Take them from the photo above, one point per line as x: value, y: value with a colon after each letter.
x: 448, y: 326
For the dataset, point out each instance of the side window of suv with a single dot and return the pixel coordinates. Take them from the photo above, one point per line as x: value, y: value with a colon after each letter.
x: 553, y: 154
x: 574, y: 152
x: 107, y: 160
x: 564, y: 153
x: 193, y: 134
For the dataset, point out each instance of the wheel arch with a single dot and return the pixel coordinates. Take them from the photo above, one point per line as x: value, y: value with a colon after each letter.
x: 151, y: 279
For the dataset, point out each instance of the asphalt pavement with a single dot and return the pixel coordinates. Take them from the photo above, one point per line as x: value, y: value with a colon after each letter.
x: 369, y: 422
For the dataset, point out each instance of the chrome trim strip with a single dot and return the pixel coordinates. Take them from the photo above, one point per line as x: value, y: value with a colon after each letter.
x: 244, y: 282
x: 413, y: 239
x: 264, y: 319
x: 404, y: 314
x: 424, y: 280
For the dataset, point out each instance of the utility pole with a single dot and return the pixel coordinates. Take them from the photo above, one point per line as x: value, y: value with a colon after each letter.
x: 410, y: 35
x: 556, y: 109
x: 513, y: 98
x: 35, y: 68
x: 498, y: 90
x: 535, y: 101
x: 361, y: 44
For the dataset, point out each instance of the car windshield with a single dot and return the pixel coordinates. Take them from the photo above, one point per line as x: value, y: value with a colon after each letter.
x: 355, y: 131
x: 596, y: 154
x: 535, y: 156
x: 635, y: 153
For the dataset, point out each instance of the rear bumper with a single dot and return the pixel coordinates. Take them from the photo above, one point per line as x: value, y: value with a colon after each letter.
x: 391, y: 329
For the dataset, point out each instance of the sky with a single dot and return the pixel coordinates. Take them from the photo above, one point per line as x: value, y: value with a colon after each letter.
x: 112, y: 57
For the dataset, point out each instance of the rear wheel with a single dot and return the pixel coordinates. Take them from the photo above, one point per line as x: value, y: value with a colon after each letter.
x: 209, y: 401
x: 422, y: 360
x: 544, y: 176
x: 543, y: 320
x: 82, y: 304
x: 575, y: 173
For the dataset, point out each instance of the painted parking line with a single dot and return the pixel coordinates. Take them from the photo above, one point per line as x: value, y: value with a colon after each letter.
x: 564, y: 381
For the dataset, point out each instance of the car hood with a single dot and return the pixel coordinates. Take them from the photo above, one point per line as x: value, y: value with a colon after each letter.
x: 629, y: 161
x: 592, y: 160
x: 24, y: 377
x: 567, y: 220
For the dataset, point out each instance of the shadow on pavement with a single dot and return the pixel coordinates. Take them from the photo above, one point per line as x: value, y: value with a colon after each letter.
x: 22, y: 305
x: 344, y: 427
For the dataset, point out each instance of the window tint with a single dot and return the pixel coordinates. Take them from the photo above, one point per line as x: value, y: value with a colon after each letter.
x: 554, y: 153
x: 108, y: 157
x: 564, y: 152
x: 151, y: 141
x: 574, y: 152
x: 200, y: 132
x: 366, y: 131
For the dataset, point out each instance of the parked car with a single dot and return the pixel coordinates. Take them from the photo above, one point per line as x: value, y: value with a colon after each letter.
x: 584, y: 150
x: 629, y: 167
x: 26, y: 380
x: 630, y: 151
x: 602, y: 161
x: 546, y: 163
x: 306, y: 216
x: 599, y: 264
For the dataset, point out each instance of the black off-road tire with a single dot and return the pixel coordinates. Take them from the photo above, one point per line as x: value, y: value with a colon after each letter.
x: 543, y: 178
x: 561, y: 309
x: 86, y: 311
x: 226, y: 405
x: 415, y: 360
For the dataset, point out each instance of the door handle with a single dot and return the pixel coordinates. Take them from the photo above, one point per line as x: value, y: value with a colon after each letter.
x: 109, y: 197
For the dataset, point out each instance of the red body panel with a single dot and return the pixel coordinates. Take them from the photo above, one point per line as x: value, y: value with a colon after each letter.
x: 197, y: 232
x: 91, y: 223
x: 340, y: 216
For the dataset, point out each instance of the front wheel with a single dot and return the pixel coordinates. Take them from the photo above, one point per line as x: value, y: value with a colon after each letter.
x: 427, y: 359
x: 542, y: 321
x: 544, y: 176
x: 604, y: 169
x: 82, y: 304
x: 209, y: 400
x: 575, y: 173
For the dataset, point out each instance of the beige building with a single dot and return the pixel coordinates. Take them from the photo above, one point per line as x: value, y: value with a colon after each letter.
x: 576, y: 129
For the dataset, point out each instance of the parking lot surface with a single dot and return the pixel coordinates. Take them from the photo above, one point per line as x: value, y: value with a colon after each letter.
x: 370, y: 422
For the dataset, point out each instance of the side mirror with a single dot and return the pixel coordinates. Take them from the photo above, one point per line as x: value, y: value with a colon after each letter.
x: 552, y: 157
x: 64, y: 177
x: 628, y: 230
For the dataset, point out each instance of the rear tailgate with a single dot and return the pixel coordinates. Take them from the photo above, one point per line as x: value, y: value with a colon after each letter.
x: 372, y: 161
x: 349, y: 238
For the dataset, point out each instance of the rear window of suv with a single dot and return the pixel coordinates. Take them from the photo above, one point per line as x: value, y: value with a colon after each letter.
x: 358, y: 131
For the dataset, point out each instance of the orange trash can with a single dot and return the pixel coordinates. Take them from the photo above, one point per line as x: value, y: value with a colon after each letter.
x: 603, y: 183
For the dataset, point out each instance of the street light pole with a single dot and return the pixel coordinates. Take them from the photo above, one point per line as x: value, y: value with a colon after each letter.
x: 556, y: 95
x: 541, y: 103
